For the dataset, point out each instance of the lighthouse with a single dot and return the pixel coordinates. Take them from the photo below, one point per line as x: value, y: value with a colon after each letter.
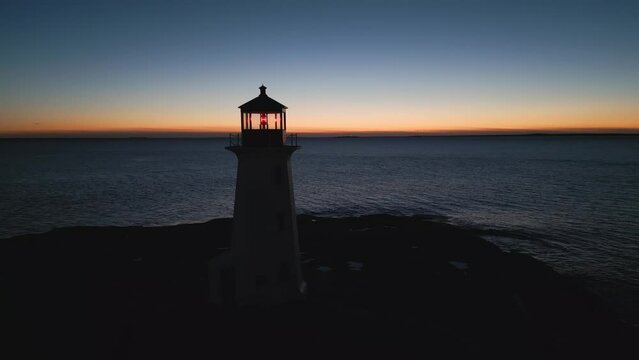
x: 262, y: 266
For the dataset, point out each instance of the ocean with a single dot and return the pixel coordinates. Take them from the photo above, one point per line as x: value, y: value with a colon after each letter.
x: 570, y: 201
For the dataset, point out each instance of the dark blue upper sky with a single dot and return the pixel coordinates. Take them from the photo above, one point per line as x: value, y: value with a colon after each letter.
x: 337, y: 64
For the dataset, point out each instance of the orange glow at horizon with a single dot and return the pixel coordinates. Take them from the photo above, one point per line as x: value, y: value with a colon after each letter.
x: 433, y: 121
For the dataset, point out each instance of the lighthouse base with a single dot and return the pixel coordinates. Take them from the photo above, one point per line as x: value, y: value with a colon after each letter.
x: 223, y: 287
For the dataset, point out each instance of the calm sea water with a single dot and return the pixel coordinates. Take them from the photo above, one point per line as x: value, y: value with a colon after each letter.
x: 571, y: 201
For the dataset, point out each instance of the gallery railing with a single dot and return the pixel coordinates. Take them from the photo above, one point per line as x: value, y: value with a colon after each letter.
x: 291, y: 139
x: 235, y: 139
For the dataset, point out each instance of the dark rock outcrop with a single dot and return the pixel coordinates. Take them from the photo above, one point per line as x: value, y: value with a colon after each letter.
x: 377, y: 285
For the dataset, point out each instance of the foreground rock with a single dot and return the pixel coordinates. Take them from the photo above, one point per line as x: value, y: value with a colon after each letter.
x: 377, y: 285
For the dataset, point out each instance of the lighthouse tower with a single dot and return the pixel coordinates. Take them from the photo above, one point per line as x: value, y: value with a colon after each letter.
x: 263, y: 265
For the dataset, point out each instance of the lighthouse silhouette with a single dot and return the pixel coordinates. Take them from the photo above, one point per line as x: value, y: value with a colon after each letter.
x: 262, y: 267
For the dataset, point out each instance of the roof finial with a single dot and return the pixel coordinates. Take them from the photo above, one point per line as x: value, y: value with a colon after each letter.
x: 262, y: 90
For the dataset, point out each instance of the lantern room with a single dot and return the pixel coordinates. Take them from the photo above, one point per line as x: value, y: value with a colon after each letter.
x: 263, y: 121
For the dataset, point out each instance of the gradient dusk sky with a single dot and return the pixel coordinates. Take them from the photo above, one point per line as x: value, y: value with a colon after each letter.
x: 136, y: 67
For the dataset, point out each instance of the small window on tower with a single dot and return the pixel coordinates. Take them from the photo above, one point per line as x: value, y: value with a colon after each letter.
x: 277, y: 175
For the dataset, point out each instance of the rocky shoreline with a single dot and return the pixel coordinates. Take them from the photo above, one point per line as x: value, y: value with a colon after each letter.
x: 379, y: 284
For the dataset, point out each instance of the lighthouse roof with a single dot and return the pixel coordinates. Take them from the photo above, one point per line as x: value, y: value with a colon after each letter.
x: 262, y: 104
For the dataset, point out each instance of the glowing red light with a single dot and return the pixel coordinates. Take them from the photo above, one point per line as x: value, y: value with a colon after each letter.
x: 263, y: 118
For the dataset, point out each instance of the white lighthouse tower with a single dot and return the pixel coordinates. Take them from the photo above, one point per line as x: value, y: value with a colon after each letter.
x: 263, y: 265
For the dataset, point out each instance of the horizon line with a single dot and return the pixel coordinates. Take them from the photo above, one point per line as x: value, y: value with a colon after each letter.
x: 368, y: 134
x: 199, y: 133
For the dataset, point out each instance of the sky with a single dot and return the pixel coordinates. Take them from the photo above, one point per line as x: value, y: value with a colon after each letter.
x: 369, y: 66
